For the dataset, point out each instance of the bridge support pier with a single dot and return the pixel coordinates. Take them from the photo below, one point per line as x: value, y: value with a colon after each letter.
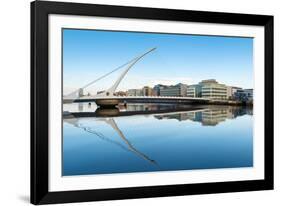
x: 107, y: 103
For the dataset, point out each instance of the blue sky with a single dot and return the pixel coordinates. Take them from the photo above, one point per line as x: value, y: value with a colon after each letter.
x: 88, y: 54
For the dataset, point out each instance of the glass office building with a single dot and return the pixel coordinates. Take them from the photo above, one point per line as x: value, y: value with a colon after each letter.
x: 178, y: 90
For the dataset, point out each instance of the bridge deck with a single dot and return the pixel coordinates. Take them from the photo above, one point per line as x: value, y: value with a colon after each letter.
x: 143, y: 97
x: 139, y: 98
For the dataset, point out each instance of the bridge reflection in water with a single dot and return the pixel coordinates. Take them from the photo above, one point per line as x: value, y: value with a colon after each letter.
x: 110, y: 121
x: 210, y: 115
x: 92, y: 120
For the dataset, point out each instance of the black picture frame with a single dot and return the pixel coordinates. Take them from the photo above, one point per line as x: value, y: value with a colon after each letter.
x: 39, y: 102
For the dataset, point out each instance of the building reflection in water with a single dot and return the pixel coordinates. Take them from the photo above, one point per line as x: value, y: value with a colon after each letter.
x: 150, y: 107
x: 210, y: 116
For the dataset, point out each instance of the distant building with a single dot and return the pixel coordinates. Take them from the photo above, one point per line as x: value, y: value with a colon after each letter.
x: 135, y: 92
x: 131, y: 92
x: 231, y: 91
x: 120, y: 93
x: 147, y: 91
x: 213, y: 90
x: 209, y: 88
x: 157, y: 88
x: 178, y: 90
x: 245, y: 95
x: 81, y: 92
x: 194, y: 90
x: 250, y: 94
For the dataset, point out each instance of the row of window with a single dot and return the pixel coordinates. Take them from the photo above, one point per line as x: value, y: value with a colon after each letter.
x: 214, y: 96
x: 208, y: 89
x: 213, y: 93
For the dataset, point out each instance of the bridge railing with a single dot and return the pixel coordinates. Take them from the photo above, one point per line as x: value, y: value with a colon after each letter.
x: 143, y: 97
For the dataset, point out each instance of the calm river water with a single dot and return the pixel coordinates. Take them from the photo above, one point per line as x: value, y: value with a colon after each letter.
x: 150, y: 137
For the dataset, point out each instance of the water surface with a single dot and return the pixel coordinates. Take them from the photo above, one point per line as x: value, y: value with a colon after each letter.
x: 151, y: 137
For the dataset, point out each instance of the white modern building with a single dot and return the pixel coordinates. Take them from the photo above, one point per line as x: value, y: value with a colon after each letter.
x: 209, y: 88
x: 213, y: 90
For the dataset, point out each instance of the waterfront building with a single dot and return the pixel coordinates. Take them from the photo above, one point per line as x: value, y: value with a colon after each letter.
x: 213, y: 90
x: 249, y: 93
x: 209, y: 88
x: 244, y: 95
x: 139, y: 92
x: 135, y: 92
x: 194, y: 90
x: 147, y: 91
x: 179, y: 90
x: 230, y: 92
x: 120, y: 93
x: 157, y: 88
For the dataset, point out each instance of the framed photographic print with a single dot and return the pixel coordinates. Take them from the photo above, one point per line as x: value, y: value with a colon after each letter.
x: 131, y: 102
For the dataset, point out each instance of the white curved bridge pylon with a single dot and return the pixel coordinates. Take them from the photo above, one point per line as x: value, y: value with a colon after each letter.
x: 112, y: 89
x: 109, y: 92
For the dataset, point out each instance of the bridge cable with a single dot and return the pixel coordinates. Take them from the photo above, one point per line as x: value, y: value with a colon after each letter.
x: 103, y: 76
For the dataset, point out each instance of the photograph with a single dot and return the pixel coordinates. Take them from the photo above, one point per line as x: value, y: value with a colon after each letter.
x: 139, y: 102
x: 133, y: 102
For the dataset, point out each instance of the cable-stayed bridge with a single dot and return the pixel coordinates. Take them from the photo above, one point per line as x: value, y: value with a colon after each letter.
x: 108, y: 98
